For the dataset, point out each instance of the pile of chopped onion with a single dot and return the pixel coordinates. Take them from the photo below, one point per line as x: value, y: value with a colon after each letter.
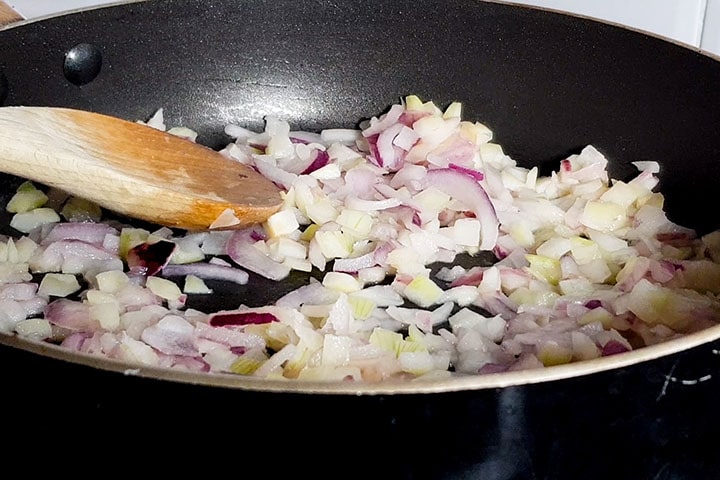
x: 586, y: 266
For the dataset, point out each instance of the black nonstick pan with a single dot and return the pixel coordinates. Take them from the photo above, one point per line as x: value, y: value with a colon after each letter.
x: 546, y: 83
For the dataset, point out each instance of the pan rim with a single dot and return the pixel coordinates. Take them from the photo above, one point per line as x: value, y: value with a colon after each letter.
x: 389, y: 387
x: 506, y: 3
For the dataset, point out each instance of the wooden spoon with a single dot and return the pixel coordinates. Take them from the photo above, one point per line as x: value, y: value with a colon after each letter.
x: 8, y: 15
x: 133, y: 169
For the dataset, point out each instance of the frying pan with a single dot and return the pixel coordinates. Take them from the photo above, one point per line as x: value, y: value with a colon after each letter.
x: 546, y: 83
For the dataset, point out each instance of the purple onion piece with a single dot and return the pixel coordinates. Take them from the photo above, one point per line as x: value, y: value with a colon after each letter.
x: 613, y: 347
x: 223, y: 319
x: 593, y: 304
x: 477, y: 175
x: 321, y: 159
x: 374, y: 152
x: 149, y: 258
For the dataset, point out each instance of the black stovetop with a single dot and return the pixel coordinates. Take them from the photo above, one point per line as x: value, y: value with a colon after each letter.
x: 656, y: 421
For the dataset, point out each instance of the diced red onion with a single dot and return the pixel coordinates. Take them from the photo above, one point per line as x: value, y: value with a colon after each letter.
x: 71, y: 315
x: 75, y: 341
x: 406, y: 138
x: 385, y: 153
x: 360, y: 183
x: 237, y: 318
x: 381, y: 170
x: 149, y: 258
x: 276, y: 175
x: 470, y: 193
x: 312, y: 294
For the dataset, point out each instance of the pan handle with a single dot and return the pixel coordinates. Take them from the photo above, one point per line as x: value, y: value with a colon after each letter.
x: 8, y: 15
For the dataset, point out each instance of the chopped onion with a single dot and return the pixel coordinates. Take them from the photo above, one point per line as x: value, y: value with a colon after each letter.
x: 584, y: 263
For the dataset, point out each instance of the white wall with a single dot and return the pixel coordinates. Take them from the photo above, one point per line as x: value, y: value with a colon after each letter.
x: 680, y: 20
x: 693, y: 22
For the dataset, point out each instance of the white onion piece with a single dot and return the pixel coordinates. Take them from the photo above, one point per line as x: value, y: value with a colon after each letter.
x: 74, y: 256
x: 372, y: 205
x: 18, y: 291
x: 230, y: 336
x: 275, y: 174
x: 93, y: 233
x: 340, y: 135
x: 172, y: 335
x: 207, y: 271
x: 313, y: 294
x: 355, y: 264
x: 378, y: 125
x: 241, y: 250
x: 406, y: 138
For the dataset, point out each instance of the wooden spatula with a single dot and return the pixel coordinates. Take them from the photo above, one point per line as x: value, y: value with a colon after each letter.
x: 133, y: 169
x: 8, y: 15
